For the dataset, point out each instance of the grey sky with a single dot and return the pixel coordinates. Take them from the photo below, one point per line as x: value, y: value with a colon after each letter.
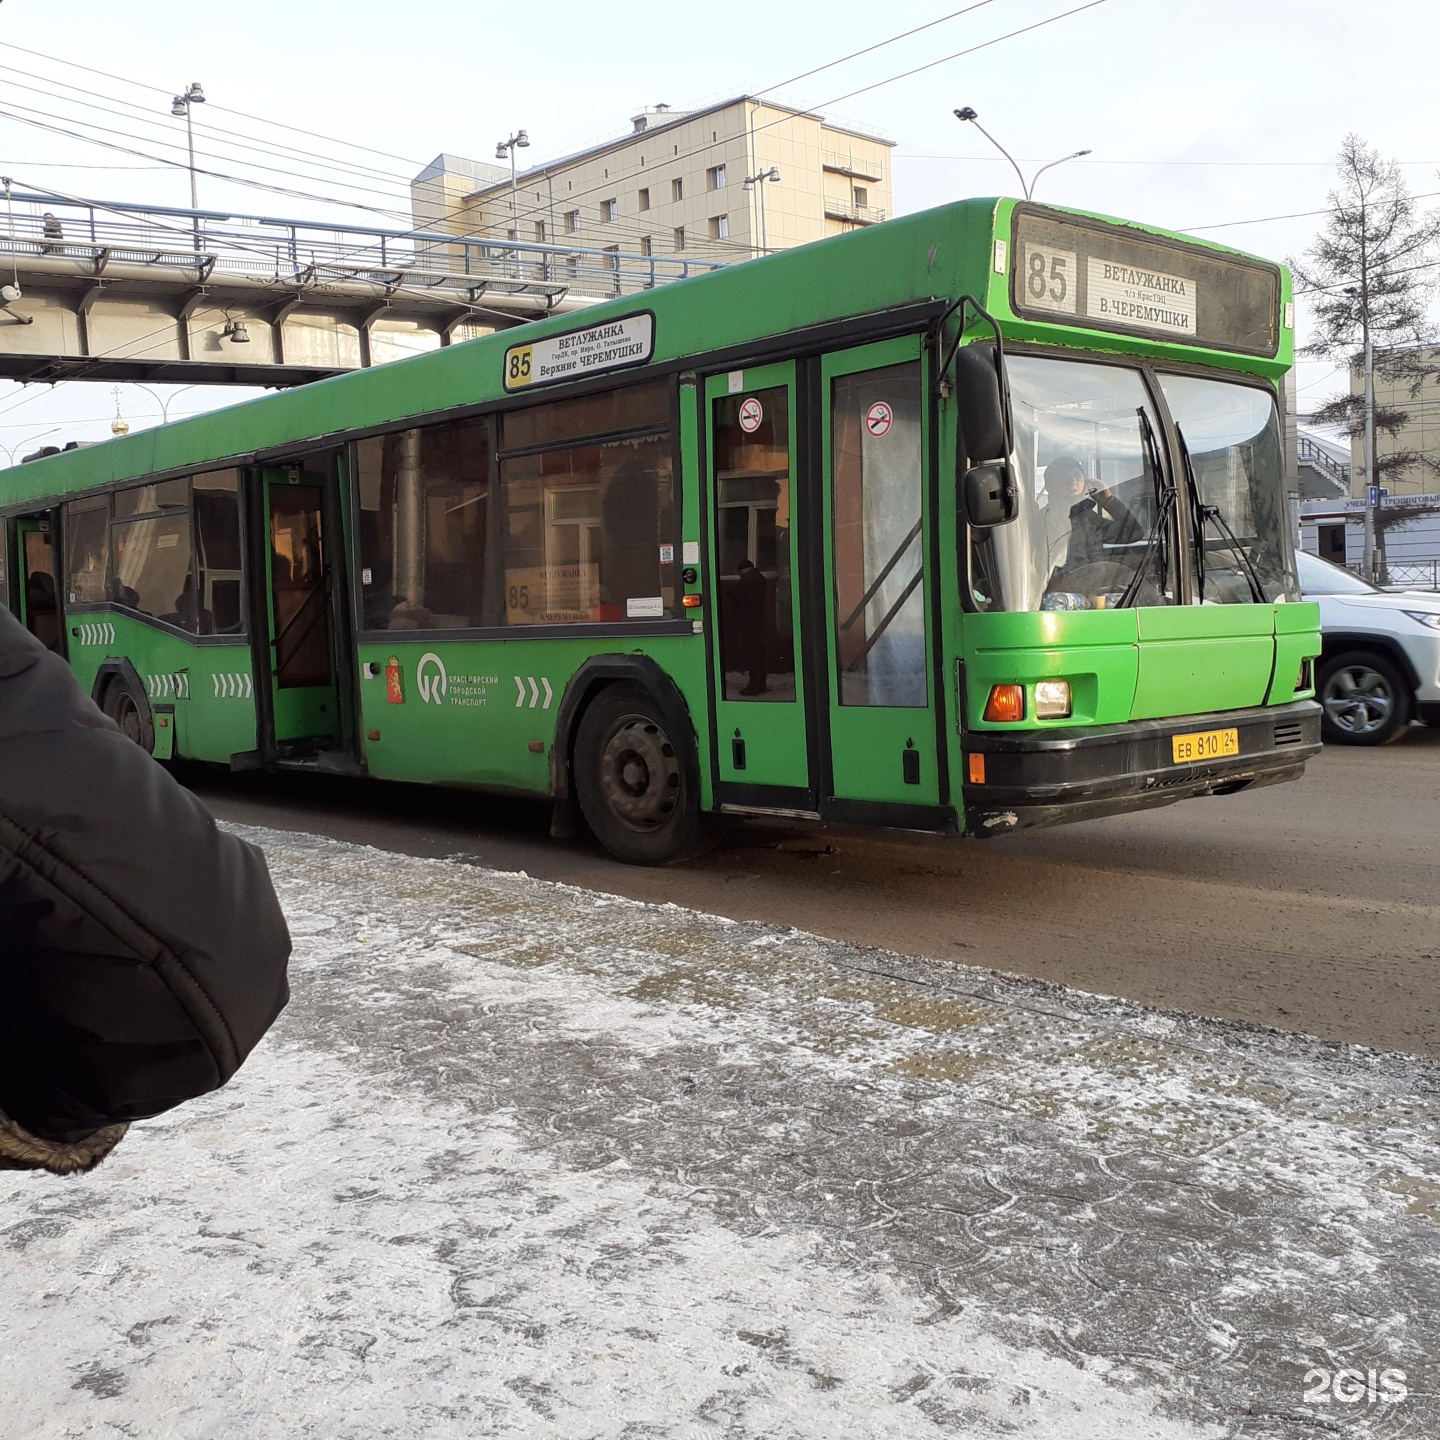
x: 1198, y: 113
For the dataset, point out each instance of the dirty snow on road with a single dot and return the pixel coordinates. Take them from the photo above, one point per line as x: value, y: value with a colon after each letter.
x: 525, y: 1160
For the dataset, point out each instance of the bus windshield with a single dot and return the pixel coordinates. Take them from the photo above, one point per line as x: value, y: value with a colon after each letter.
x: 1097, y: 524
x: 1232, y: 435
x: 1092, y: 495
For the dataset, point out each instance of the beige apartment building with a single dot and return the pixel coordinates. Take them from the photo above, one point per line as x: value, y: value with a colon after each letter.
x: 674, y: 188
x: 1421, y: 432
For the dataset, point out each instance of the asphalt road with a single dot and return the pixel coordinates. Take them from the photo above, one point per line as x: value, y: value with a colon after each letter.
x: 1311, y: 906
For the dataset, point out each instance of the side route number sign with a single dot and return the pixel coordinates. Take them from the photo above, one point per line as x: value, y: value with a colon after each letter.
x: 611, y: 345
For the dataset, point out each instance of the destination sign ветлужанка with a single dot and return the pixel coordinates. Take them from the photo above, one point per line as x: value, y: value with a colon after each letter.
x: 611, y: 345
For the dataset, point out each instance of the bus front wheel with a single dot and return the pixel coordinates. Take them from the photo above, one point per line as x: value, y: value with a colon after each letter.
x: 634, y: 782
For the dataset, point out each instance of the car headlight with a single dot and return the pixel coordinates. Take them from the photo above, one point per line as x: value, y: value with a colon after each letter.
x: 1426, y: 618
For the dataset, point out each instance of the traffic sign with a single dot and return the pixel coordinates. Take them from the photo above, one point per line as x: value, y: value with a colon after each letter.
x: 1374, y: 494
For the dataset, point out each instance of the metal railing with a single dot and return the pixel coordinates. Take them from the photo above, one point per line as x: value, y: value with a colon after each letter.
x: 1308, y: 452
x: 859, y: 214
x: 1413, y: 574
x: 211, y: 244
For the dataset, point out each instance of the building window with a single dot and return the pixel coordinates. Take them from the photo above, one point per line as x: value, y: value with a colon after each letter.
x: 425, y: 528
x: 861, y: 196
x: 679, y: 237
x: 588, y: 521
x: 540, y: 231
x: 719, y: 227
x: 572, y: 222
x: 677, y: 189
x: 612, y: 258
x: 609, y: 210
x: 644, y: 199
x: 715, y: 177
x: 512, y: 234
x: 645, y: 245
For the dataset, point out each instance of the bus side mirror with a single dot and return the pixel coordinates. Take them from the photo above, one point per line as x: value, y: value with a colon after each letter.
x: 991, y: 496
x: 979, y: 403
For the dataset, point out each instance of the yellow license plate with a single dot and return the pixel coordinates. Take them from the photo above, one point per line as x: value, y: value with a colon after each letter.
x: 1205, y: 745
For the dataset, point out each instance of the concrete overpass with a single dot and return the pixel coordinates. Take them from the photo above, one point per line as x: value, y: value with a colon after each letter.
x: 121, y: 292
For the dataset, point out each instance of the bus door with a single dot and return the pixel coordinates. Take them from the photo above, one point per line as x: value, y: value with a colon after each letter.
x: 878, y: 667
x: 299, y: 613
x: 37, y: 571
x: 755, y: 640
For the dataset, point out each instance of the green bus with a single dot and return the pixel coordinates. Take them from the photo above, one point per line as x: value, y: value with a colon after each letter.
x: 967, y: 522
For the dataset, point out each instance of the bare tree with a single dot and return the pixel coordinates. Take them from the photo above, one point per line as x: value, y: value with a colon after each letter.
x: 1370, y: 273
x: 1370, y: 269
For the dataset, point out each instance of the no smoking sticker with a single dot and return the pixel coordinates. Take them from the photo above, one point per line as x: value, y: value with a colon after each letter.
x: 879, y: 418
x: 752, y: 415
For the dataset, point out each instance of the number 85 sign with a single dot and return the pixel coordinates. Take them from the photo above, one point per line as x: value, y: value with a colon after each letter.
x: 1047, y: 280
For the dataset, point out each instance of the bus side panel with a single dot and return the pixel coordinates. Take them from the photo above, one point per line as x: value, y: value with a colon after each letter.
x: 483, y: 712
x: 207, y: 688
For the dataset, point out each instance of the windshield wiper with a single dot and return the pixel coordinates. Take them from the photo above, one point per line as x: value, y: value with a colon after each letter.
x: 1164, y: 504
x: 1200, y: 514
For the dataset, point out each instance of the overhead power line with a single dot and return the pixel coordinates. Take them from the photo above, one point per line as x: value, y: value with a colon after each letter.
x: 596, y: 190
x: 245, y: 115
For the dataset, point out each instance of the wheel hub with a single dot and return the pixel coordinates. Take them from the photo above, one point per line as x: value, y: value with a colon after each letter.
x: 640, y: 773
x: 1358, y: 700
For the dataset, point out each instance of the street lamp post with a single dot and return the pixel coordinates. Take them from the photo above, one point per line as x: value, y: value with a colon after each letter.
x: 757, y: 184
x: 1027, y: 188
x: 181, y: 106
x: 163, y: 401
x: 507, y: 148
x: 28, y: 440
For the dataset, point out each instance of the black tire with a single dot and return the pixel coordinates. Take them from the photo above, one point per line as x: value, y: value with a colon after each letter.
x: 1365, y: 699
x: 130, y: 712
x: 637, y: 783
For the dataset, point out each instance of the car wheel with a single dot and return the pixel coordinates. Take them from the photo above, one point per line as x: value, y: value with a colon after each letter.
x: 636, y: 781
x: 1365, y: 699
x: 130, y: 713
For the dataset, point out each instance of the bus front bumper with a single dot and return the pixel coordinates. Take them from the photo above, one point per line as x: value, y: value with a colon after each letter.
x: 1051, y: 777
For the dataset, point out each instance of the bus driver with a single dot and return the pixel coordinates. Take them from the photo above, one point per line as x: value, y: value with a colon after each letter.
x: 1084, y: 524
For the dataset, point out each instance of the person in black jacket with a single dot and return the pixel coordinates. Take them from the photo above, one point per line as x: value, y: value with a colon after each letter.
x: 142, y: 951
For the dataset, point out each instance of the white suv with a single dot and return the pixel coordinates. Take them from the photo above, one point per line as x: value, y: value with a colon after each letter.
x: 1380, y: 655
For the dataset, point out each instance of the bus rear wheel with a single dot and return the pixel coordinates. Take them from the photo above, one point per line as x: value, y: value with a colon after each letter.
x: 634, y: 780
x: 130, y: 714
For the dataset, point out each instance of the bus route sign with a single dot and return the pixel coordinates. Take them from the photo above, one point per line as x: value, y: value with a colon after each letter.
x: 611, y: 345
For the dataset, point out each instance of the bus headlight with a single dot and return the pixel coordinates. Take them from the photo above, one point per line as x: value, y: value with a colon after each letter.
x: 1052, y: 700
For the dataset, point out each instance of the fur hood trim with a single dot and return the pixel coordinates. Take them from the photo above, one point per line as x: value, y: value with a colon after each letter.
x: 20, y: 1150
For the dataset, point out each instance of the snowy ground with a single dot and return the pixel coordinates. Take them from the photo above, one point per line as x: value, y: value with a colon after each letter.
x: 525, y: 1160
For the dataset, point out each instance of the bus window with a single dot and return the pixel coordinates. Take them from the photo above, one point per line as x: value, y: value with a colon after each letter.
x: 752, y: 479
x: 590, y: 530
x: 87, y: 545
x: 425, y: 528
x: 147, y: 499
x: 215, y: 606
x: 879, y: 547
x: 152, y: 566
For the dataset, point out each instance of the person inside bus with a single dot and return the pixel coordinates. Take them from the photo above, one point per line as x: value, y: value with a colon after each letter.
x: 41, y: 615
x: 143, y: 952
x: 752, y: 594
x: 1096, y: 519
x: 190, y: 614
